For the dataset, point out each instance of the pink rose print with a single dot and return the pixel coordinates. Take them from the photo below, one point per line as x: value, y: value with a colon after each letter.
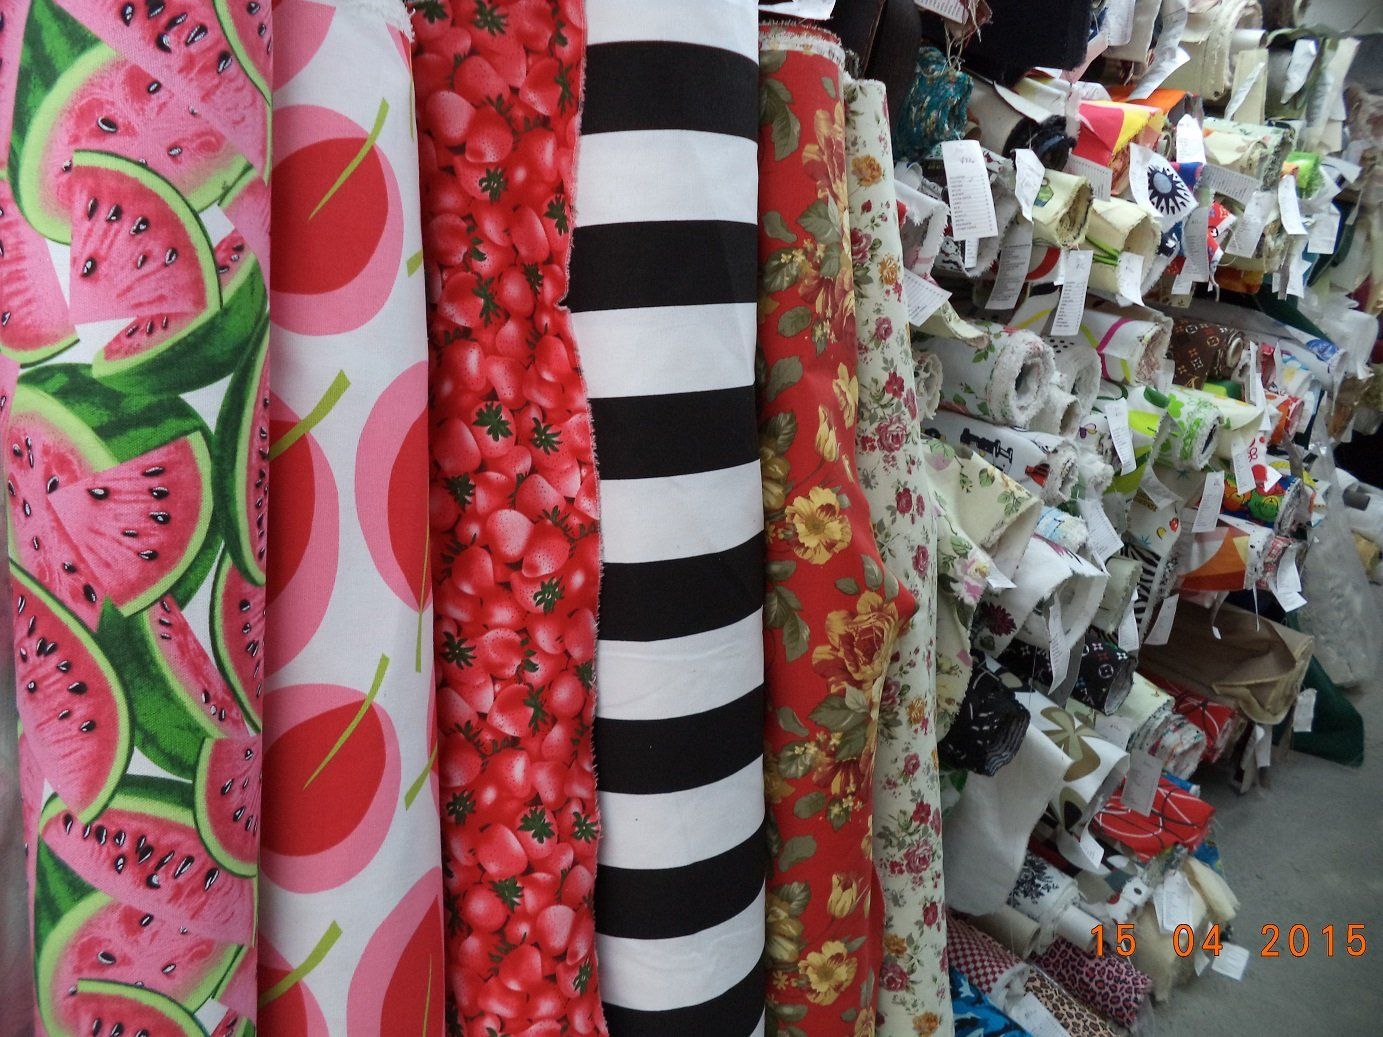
x: 904, y: 501
x: 920, y: 560
x: 911, y: 763
x: 892, y: 434
x: 894, y: 383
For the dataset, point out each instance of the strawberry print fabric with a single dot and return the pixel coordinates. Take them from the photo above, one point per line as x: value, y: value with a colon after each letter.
x: 833, y: 613
x: 350, y: 936
x: 515, y: 550
x: 133, y: 298
x: 913, y: 991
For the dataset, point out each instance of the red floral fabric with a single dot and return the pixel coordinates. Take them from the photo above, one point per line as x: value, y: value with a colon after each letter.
x: 833, y: 613
x: 515, y: 551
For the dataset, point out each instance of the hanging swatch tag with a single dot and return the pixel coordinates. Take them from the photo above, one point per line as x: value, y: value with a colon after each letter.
x: 1101, y: 177
x: 1212, y: 500
x: 1299, y: 66
x: 1140, y: 783
x: 1183, y: 283
x: 1173, y: 903
x: 1243, y: 470
x: 1289, y: 205
x: 1231, y: 961
x: 1058, y: 651
x: 967, y: 190
x: 1030, y: 173
x: 1129, y: 276
x: 923, y: 297
x: 1195, y: 242
x: 1075, y: 280
x: 1120, y: 433
x: 1104, y: 540
x: 1190, y: 140
x: 1243, y: 86
x: 1325, y: 228
x: 1014, y: 257
x: 1304, y: 715
x: 952, y: 9
x: 1228, y: 183
x: 1128, y: 630
x: 1162, y: 626
x: 1248, y: 231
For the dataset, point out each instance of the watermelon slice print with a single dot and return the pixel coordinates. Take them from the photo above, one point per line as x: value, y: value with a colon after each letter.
x: 34, y: 320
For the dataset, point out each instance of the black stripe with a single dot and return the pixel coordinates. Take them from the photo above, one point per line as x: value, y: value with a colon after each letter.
x: 735, y: 1013
x: 617, y: 266
x: 655, y: 601
x: 633, y: 756
x: 661, y: 85
x: 680, y: 433
x: 665, y: 903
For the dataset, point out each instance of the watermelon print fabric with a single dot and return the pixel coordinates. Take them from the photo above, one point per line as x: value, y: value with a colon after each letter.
x: 515, y: 552
x: 135, y: 438
x: 833, y: 613
x: 350, y: 937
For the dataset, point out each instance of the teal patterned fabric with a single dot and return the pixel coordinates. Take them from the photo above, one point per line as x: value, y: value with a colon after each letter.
x: 934, y: 109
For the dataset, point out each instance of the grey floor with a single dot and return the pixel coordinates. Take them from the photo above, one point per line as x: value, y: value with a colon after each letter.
x: 1307, y: 849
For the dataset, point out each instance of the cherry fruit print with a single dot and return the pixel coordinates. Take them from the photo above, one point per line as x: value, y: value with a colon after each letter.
x: 513, y: 512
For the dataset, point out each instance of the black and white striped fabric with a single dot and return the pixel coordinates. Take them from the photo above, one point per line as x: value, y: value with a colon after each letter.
x: 663, y: 302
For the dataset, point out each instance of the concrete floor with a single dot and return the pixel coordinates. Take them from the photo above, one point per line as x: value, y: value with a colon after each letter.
x: 1306, y: 849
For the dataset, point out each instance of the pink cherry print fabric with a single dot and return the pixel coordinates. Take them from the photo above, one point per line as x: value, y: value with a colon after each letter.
x: 350, y: 935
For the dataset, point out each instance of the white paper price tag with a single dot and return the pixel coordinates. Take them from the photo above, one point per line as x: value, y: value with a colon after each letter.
x: 817, y: 10
x: 1128, y: 631
x: 1101, y: 177
x: 1104, y: 540
x: 1202, y: 961
x: 1140, y: 784
x: 1231, y: 961
x: 1262, y: 745
x: 967, y: 191
x: 1299, y: 67
x: 1014, y: 257
x: 1120, y: 434
x: 1162, y: 625
x: 1325, y: 228
x: 1228, y: 183
x: 1114, y: 729
x: 923, y: 297
x: 1183, y: 283
x: 952, y: 9
x: 1172, y: 901
x: 1259, y: 211
x: 1243, y: 471
x: 1304, y: 715
x: 1118, y: 21
x: 1289, y: 205
x: 1212, y: 500
x: 1075, y: 280
x: 1058, y: 651
x: 1030, y: 173
x: 1129, y: 277
x: 1190, y: 140
x: 1195, y: 243
x: 1242, y: 88
x: 1033, y: 1016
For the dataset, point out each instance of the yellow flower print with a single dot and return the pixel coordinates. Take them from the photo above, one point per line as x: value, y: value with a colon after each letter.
x: 826, y: 443
x: 895, y: 945
x: 864, y: 1023
x: 847, y: 388
x: 821, y: 526
x: 844, y: 896
x: 784, y: 933
x: 917, y: 712
x: 773, y: 470
x: 926, y: 1023
x: 829, y: 971
x: 867, y: 170
x: 860, y: 642
x: 889, y: 271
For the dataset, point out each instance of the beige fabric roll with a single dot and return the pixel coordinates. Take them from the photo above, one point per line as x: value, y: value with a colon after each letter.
x: 1062, y: 210
x: 1114, y: 228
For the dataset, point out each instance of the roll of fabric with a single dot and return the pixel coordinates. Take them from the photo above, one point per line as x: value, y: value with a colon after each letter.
x: 1256, y: 151
x: 1131, y: 341
x: 832, y: 619
x: 1282, y: 508
x: 1109, y: 984
x: 1177, y: 818
x: 1218, y: 559
x: 137, y: 470
x: 1180, y: 747
x: 1212, y: 37
x: 976, y: 1015
x: 1221, y: 723
x: 1075, y: 1018
x: 1201, y: 351
x: 1097, y: 765
x: 928, y: 376
x: 1239, y: 423
x: 933, y: 109
x: 1012, y: 929
x: 1059, y: 414
x: 1117, y: 228
x: 1145, y: 713
x: 1063, y: 528
x: 989, y: 729
x: 1094, y: 475
x: 1119, y: 592
x: 996, y: 971
x: 1061, y: 210
x: 1078, y: 371
x: 680, y: 652
x: 1049, y: 579
x: 1106, y: 130
x: 350, y: 623
x: 1003, y: 128
x: 1043, y: 463
x: 1004, y: 382
x: 1195, y: 434
x: 907, y: 791
x: 986, y: 834
x: 1046, y: 895
x: 1104, y: 674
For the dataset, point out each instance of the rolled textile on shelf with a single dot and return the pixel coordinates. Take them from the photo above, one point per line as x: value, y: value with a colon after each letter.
x: 1201, y: 351
x: 907, y: 791
x: 933, y: 109
x: 1059, y: 414
x: 1013, y: 929
x: 827, y: 628
x: 1256, y: 151
x: 929, y: 375
x: 1043, y: 463
x: 680, y: 639
x: 986, y: 833
x: 1109, y: 984
x: 1103, y: 678
x: 1118, y: 593
x: 1050, y: 898
x: 1180, y: 746
x: 1150, y: 424
x: 1152, y: 538
x: 995, y: 970
x: 1239, y: 423
x: 1117, y: 228
x: 1061, y: 527
x: 1094, y: 475
x: 1287, y: 412
x: 1078, y: 370
x: 1221, y: 722
x: 975, y: 1014
x: 1106, y: 130
x: 1075, y: 1018
x: 1003, y: 382
x: 1003, y: 128
x: 1049, y: 579
x: 1219, y: 559
x: 1177, y: 818
x: 1131, y: 341
x: 1195, y: 435
x: 1097, y: 764
x: 988, y: 731
x: 1212, y: 37
x: 1062, y: 210
x: 1284, y: 507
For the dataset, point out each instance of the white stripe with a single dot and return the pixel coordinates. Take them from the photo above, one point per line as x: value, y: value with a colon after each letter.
x: 728, y: 24
x: 658, y: 175
x: 680, y: 676
x: 680, y: 516
x: 653, y: 350
x: 674, y: 829
x: 658, y: 975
